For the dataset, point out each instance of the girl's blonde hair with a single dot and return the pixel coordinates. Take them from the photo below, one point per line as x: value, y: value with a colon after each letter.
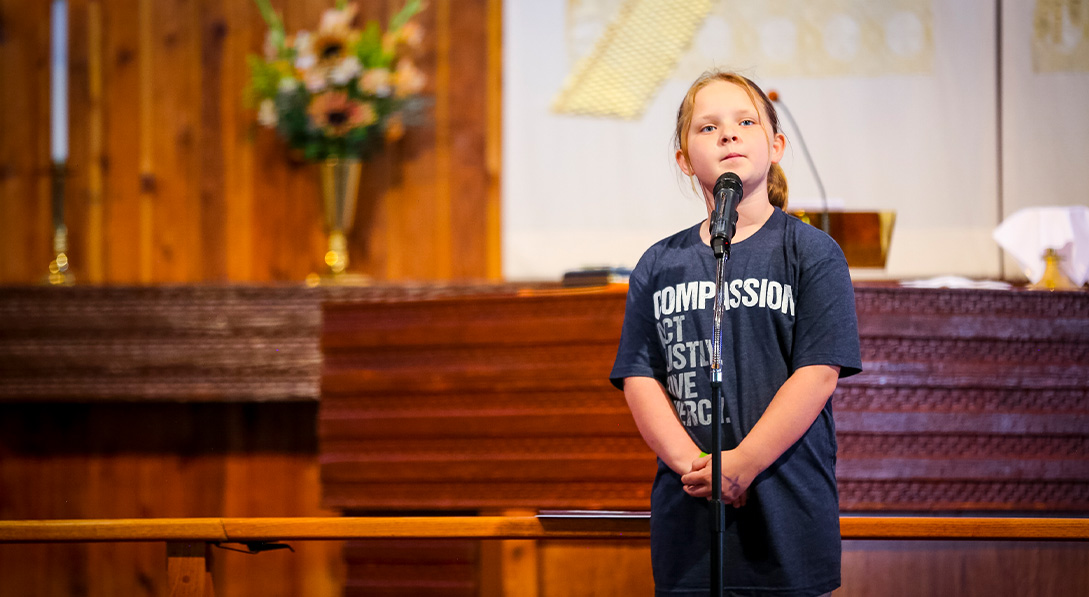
x: 777, y: 182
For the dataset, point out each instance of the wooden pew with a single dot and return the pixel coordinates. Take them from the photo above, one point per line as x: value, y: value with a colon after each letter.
x: 189, y: 540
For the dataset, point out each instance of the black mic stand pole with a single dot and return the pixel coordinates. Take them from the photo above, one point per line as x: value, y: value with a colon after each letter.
x: 718, y: 508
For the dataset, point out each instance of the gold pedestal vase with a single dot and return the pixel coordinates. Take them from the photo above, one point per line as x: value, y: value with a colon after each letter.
x: 340, y: 192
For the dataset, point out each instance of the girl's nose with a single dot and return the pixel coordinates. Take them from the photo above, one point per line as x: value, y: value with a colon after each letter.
x: 728, y: 135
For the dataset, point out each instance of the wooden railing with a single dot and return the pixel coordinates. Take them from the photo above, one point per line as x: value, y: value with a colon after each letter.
x: 189, y: 539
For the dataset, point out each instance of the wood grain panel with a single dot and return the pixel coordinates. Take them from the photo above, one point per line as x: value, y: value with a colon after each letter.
x: 26, y: 233
x: 160, y: 460
x: 76, y: 205
x: 408, y: 568
x: 963, y: 568
x: 170, y: 181
x: 123, y: 147
x: 497, y: 369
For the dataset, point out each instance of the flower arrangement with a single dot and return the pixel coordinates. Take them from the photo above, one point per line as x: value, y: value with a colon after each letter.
x: 336, y: 91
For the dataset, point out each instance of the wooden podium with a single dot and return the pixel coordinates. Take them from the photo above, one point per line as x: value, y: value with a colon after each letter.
x: 970, y: 401
x: 864, y: 236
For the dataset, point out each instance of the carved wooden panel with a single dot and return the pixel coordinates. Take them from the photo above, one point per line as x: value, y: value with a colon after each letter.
x: 159, y: 344
x: 970, y: 400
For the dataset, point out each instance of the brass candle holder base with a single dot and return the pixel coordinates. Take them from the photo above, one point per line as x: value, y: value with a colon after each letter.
x: 58, y: 268
x: 1054, y: 278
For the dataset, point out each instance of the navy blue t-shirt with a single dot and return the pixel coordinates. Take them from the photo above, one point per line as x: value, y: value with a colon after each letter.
x: 789, y: 304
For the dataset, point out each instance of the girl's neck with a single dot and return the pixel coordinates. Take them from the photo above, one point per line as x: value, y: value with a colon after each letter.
x: 752, y: 213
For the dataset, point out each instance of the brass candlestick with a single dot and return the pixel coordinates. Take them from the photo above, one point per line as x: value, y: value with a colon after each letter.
x: 1054, y: 278
x: 58, y: 268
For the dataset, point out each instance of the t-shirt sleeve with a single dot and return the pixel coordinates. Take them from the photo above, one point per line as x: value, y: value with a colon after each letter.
x: 638, y: 354
x: 826, y: 327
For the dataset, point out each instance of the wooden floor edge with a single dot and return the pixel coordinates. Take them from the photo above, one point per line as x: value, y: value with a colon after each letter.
x: 501, y: 527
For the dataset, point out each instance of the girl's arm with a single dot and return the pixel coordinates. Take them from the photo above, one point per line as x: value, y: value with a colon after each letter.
x: 789, y: 415
x: 658, y: 423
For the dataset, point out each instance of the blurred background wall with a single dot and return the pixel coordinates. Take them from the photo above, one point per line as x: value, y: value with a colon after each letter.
x: 952, y: 114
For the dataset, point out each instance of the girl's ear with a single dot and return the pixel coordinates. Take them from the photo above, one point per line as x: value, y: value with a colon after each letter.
x: 778, y: 147
x: 682, y: 163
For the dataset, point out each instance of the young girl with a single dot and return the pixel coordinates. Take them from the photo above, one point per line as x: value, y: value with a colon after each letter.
x: 789, y: 332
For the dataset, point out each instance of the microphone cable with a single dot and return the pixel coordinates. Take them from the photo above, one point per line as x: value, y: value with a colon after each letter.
x: 825, y: 225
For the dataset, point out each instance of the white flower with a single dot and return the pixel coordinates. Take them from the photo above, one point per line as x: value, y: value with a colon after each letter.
x: 266, y: 113
x: 345, y: 70
x: 338, y: 19
x: 376, y: 81
x: 315, y: 80
x: 305, y: 59
x: 407, y: 79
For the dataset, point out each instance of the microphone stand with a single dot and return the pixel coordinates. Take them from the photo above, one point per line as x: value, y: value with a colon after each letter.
x: 718, y: 508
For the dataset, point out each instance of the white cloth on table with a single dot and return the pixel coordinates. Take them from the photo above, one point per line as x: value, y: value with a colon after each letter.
x: 1029, y: 232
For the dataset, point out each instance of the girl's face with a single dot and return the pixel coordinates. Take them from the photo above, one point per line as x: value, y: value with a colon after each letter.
x: 728, y: 134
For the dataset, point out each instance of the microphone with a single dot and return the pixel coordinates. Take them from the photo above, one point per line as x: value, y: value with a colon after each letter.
x: 825, y: 226
x: 728, y: 193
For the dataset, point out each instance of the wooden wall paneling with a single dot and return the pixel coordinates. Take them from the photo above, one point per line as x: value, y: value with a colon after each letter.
x: 210, y: 149
x: 421, y: 188
x: 95, y: 169
x: 25, y: 212
x: 160, y: 460
x: 302, y: 249
x: 964, y: 568
x: 123, y: 126
x: 171, y: 232
x: 469, y: 176
x: 151, y: 197
x: 493, y: 159
x: 442, y: 252
x: 399, y: 172
x: 595, y: 569
x: 41, y: 208
x: 75, y: 202
x: 410, y: 568
x: 267, y: 484
x: 369, y: 236
x: 243, y: 36
x: 41, y: 488
x: 269, y: 181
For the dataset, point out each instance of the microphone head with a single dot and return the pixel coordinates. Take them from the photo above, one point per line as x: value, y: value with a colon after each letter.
x: 773, y: 95
x: 728, y: 180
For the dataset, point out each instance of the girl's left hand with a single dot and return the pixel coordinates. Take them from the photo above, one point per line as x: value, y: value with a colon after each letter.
x: 735, y: 481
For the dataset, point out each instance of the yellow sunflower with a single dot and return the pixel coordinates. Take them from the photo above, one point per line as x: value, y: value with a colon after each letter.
x: 334, y: 36
x: 337, y: 114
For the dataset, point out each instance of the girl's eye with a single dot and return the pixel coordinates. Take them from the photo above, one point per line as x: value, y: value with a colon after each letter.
x: 748, y: 122
x: 707, y: 128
